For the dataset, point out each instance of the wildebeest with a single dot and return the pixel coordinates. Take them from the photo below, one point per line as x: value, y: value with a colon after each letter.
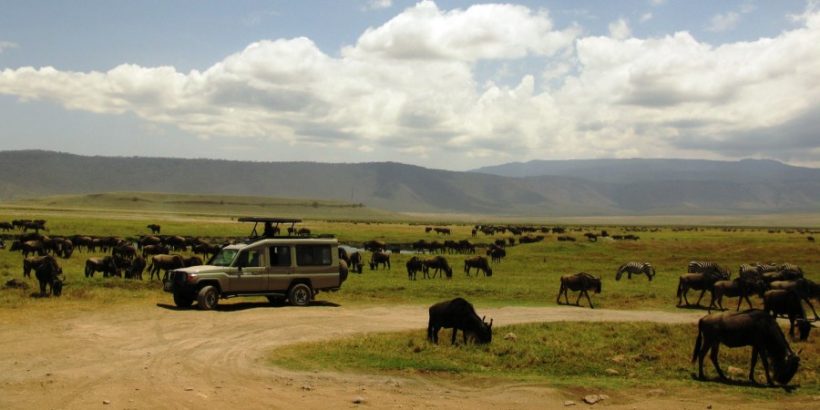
x: 439, y: 263
x: 154, y: 228
x: 191, y: 261
x: 2, y: 244
x: 698, y: 281
x: 135, y: 268
x: 442, y: 231
x: 124, y: 252
x: 479, y: 263
x: 786, y: 302
x: 28, y: 247
x: 48, y: 275
x: 149, y: 250
x: 374, y: 245
x: 496, y: 253
x: 636, y: 268
x: 207, y: 250
x: 458, y: 314
x: 804, y: 288
x: 31, y: 263
x: 754, y: 328
x: 343, y: 255
x: 107, y: 265
x: 380, y: 258
x: 166, y: 263
x: 414, y: 265
x: 6, y: 226
x: 782, y: 275
x: 356, y: 262
x: 740, y: 288
x: 582, y: 282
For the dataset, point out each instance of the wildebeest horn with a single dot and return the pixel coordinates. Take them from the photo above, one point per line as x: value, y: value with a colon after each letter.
x: 483, y: 317
x: 491, y: 322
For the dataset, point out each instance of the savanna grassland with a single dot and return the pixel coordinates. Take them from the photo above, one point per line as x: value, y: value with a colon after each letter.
x: 641, y: 354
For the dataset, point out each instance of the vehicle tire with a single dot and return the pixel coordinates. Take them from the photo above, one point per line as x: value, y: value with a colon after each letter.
x: 207, y: 298
x: 276, y: 300
x: 300, y: 294
x: 183, y: 301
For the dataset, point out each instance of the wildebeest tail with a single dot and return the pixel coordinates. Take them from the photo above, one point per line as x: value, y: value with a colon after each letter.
x: 680, y: 288
x: 698, y: 341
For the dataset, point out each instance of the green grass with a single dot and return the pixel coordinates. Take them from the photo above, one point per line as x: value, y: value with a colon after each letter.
x: 528, y: 276
x: 562, y: 354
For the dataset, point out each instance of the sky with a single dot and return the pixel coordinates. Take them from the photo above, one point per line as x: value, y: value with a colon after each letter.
x: 448, y: 84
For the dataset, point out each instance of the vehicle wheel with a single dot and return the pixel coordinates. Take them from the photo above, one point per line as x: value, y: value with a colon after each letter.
x: 207, y: 298
x: 182, y: 301
x: 300, y: 294
x: 276, y: 300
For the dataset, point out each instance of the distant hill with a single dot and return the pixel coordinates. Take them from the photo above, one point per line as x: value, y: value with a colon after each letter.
x: 536, y: 188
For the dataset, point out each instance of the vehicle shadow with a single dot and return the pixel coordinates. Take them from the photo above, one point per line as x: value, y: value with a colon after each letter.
x: 235, y: 307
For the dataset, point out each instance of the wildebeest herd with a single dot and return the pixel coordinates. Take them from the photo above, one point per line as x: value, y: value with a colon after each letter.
x: 782, y: 288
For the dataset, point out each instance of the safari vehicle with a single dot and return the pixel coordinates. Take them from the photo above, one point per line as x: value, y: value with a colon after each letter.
x: 278, y: 267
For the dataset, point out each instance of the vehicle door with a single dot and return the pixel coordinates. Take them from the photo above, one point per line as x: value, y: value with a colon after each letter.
x: 280, y: 267
x: 250, y: 274
x: 316, y: 262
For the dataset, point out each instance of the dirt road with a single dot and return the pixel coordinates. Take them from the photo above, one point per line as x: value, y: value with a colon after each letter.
x: 158, y: 357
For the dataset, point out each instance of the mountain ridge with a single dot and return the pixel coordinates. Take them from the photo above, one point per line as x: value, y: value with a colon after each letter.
x: 543, y: 188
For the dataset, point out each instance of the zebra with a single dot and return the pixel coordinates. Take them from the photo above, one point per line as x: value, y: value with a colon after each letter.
x: 636, y: 268
x: 711, y: 268
x: 750, y: 272
x: 790, y: 267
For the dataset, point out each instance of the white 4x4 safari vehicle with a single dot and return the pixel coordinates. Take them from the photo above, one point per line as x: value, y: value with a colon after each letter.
x: 292, y: 268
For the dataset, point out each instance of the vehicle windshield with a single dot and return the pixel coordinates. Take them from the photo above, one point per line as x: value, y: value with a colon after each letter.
x: 223, y: 258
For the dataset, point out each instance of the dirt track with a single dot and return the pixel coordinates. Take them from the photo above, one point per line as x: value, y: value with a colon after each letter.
x: 159, y: 357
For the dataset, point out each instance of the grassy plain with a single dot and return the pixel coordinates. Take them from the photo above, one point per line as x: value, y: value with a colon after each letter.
x: 528, y: 276
x: 609, y: 356
x: 644, y: 355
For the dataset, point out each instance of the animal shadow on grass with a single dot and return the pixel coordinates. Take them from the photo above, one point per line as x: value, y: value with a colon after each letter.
x: 742, y: 383
x: 694, y: 307
x: 234, y: 307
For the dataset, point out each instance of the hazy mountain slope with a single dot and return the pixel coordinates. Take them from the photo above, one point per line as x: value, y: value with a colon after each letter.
x: 589, y: 187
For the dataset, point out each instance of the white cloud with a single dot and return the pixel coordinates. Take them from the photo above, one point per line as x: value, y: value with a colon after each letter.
x: 379, y: 4
x: 589, y: 97
x: 619, y: 29
x: 5, y: 45
x: 645, y: 17
x: 657, y: 2
x: 723, y: 22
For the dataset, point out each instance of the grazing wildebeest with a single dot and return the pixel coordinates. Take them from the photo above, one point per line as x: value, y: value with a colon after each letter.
x: 48, y: 275
x: 27, y: 247
x: 479, y: 263
x: 439, y: 263
x: 31, y: 263
x: 413, y: 266
x: 176, y: 243
x: 497, y: 254
x: 107, y: 265
x: 636, y: 268
x: 698, y: 281
x: 739, y: 288
x: 754, y: 328
x: 2, y: 244
x: 149, y: 240
x: 442, y: 231
x: 166, y: 263
x: 134, y: 270
x: 207, y: 250
x: 343, y: 255
x: 782, y: 275
x: 149, y: 250
x: 805, y: 289
x: 356, y: 262
x: 458, y: 314
x: 6, y: 226
x: 380, y: 258
x: 154, y: 228
x: 787, y: 302
x: 63, y: 247
x: 582, y: 282
x: 810, y: 238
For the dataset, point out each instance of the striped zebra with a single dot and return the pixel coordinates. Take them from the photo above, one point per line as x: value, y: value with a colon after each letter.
x: 750, y: 272
x: 790, y: 267
x: 768, y: 267
x: 636, y: 268
x: 711, y: 268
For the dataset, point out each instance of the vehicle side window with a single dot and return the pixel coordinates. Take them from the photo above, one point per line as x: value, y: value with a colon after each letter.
x: 249, y: 258
x: 313, y: 255
x: 279, y: 255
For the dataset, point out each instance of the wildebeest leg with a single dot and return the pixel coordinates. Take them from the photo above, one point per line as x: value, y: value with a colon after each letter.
x: 714, y: 358
x: 791, y: 324
x: 578, y: 300
x: 712, y: 303
x: 588, y: 299
x: 684, y: 291
x: 560, y: 290
x: 704, y: 349
x: 755, y: 352
x: 703, y: 292
x: 765, y: 360
x: 453, y: 339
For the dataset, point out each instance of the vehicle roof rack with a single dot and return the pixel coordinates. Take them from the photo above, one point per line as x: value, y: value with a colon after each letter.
x: 271, y: 224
